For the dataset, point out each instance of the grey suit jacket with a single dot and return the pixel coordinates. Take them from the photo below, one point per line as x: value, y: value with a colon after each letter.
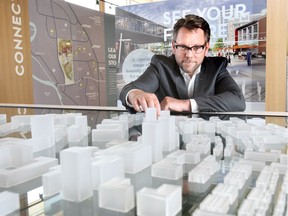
x: 214, y: 89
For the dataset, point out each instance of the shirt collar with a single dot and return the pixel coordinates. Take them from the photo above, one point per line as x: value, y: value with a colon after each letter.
x: 185, y: 75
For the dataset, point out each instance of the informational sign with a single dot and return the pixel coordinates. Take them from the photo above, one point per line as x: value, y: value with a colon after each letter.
x: 135, y: 64
x: 237, y: 27
x: 73, y: 54
x: 219, y: 14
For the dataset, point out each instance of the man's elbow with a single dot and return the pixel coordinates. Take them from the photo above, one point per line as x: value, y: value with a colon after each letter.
x: 241, y: 104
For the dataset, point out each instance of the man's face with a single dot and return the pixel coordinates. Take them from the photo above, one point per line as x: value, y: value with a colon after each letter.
x: 190, y: 59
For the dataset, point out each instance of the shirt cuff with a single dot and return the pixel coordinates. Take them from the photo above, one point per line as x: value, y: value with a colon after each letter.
x: 126, y: 99
x: 194, y: 106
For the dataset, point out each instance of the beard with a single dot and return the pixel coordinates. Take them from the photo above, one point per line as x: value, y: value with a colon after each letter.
x: 188, y: 65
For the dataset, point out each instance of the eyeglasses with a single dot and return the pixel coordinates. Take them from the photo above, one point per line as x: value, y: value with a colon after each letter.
x: 195, y: 49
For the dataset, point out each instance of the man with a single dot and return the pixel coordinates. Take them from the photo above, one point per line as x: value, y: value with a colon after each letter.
x: 249, y: 57
x: 187, y: 81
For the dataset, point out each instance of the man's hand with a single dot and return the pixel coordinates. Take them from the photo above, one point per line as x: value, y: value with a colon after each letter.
x: 169, y: 103
x: 141, y: 100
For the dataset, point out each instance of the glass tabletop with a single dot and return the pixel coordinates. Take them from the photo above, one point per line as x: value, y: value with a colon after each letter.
x: 248, y: 132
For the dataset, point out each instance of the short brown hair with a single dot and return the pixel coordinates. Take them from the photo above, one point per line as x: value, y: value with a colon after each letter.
x: 191, y: 22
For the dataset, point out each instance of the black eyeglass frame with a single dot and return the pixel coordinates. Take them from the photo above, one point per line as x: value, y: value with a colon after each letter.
x: 186, y: 48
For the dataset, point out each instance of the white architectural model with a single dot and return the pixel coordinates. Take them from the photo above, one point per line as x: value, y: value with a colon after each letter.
x: 166, y: 200
x: 240, y: 149
x: 9, y: 202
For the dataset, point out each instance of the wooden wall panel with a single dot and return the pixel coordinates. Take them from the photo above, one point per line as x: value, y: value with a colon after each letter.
x: 276, y: 75
x: 16, y: 84
x: 276, y: 94
x: 15, y: 65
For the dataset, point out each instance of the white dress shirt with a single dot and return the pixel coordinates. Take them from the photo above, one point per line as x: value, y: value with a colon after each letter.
x: 190, y: 83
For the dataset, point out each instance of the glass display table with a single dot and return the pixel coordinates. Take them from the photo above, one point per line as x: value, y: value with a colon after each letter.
x: 259, y: 139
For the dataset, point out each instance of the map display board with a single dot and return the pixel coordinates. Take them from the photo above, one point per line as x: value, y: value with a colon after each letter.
x: 71, y: 57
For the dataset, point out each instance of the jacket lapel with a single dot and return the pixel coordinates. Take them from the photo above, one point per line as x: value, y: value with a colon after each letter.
x: 200, y: 82
x: 180, y: 84
x: 179, y: 81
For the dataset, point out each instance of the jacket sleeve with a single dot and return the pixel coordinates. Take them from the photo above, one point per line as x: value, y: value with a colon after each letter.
x: 147, y: 82
x: 222, y: 93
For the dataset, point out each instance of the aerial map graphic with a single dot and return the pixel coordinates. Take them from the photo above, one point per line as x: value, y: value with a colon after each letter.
x: 65, y: 56
x: 68, y: 54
